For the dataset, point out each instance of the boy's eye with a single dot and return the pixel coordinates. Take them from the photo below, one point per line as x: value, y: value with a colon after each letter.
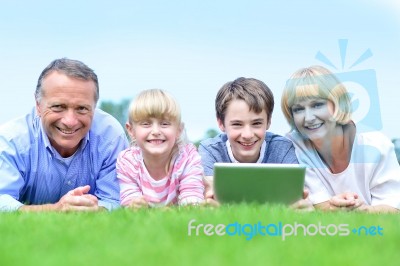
x: 236, y: 124
x: 144, y: 123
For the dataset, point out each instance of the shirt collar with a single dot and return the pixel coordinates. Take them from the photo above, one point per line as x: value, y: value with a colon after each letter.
x: 233, y: 159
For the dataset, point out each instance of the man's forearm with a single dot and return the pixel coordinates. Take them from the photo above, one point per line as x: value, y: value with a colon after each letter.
x: 8, y: 203
x: 39, y: 208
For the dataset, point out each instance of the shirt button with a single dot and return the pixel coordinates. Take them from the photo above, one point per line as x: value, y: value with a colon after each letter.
x: 69, y: 182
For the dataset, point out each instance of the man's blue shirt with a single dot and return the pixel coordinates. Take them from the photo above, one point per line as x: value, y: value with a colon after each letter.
x: 32, y: 171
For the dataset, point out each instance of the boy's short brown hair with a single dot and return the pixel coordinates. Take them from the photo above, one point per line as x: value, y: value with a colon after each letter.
x: 254, y: 92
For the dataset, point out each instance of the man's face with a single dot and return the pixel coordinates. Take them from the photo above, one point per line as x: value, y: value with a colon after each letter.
x: 245, y: 130
x: 66, y: 109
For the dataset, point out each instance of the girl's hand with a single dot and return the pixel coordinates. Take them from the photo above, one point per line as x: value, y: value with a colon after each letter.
x: 138, y: 203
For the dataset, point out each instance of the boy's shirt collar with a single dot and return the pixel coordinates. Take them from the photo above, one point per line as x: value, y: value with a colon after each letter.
x: 260, y: 158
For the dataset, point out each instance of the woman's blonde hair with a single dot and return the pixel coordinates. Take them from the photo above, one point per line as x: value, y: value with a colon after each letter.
x: 316, y: 82
x: 156, y: 103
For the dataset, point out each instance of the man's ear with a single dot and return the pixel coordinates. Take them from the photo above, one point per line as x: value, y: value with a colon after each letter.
x: 221, y: 125
x: 38, y: 110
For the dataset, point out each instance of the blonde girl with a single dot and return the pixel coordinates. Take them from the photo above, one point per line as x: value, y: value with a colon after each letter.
x: 160, y: 168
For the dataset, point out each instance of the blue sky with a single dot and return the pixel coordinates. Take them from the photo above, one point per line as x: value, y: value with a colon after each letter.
x: 191, y: 48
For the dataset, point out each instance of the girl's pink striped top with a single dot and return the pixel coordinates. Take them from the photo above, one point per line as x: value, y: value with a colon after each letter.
x: 183, y: 185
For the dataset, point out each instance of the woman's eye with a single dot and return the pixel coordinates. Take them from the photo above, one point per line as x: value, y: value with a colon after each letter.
x: 297, y: 110
x: 320, y: 104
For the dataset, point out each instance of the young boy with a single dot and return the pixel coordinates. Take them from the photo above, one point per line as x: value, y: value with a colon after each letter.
x: 244, y: 108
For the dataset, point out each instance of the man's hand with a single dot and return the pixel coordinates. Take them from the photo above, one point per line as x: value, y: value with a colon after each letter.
x: 75, y: 200
x: 78, y: 200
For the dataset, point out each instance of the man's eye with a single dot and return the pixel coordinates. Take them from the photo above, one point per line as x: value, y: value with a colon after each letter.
x: 57, y: 108
x: 83, y: 110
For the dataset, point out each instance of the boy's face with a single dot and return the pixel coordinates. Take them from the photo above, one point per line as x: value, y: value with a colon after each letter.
x: 245, y: 130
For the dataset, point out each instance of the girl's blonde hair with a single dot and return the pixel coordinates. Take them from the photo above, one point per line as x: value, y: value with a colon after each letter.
x: 156, y: 103
x: 316, y: 82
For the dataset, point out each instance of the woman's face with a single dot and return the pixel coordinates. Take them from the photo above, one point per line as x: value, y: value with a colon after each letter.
x: 313, y: 118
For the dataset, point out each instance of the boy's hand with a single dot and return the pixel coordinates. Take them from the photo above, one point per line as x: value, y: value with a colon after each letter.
x: 303, y: 204
x: 209, y: 192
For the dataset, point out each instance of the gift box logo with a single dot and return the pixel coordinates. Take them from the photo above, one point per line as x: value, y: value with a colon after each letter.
x: 362, y: 87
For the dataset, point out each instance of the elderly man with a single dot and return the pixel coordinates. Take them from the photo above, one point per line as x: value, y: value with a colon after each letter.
x: 62, y: 155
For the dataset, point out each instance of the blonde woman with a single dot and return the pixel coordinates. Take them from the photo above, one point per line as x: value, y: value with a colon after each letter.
x: 346, y: 169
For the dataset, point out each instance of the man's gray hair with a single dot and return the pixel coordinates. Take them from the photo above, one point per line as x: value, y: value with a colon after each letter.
x: 71, y: 68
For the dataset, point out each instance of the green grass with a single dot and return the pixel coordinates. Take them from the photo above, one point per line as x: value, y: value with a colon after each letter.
x: 160, y: 237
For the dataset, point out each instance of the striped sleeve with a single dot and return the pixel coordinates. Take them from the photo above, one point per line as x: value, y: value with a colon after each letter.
x: 128, y: 172
x: 191, y: 186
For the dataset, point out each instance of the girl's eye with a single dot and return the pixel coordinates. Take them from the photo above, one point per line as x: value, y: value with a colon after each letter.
x: 165, y: 123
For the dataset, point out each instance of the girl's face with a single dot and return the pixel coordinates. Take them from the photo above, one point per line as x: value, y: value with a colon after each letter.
x: 313, y: 118
x: 245, y: 130
x: 156, y: 137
